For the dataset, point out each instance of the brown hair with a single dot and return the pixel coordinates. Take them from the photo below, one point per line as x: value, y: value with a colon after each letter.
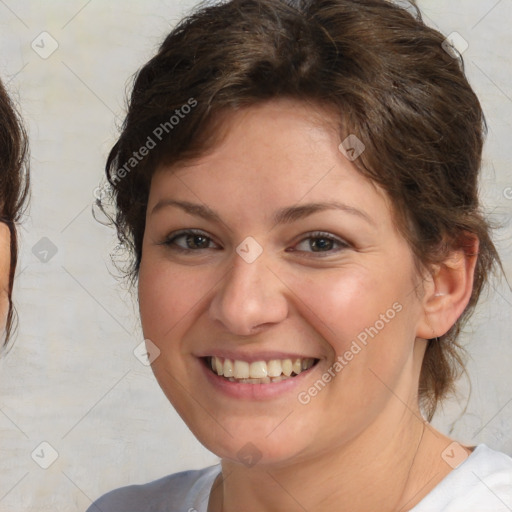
x: 14, y: 185
x: 375, y: 65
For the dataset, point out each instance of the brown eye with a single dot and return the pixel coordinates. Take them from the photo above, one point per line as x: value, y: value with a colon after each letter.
x: 195, y: 241
x: 189, y: 240
x: 321, y: 243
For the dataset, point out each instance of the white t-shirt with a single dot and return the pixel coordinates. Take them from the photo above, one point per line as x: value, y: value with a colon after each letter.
x: 482, y: 483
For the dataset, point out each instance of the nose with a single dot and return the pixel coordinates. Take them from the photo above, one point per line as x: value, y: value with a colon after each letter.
x: 250, y: 298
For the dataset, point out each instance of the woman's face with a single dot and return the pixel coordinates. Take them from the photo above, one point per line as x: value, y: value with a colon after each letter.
x: 293, y: 256
x: 5, y: 266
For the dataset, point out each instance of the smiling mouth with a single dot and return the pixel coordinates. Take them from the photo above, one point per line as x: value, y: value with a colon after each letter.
x: 258, y: 372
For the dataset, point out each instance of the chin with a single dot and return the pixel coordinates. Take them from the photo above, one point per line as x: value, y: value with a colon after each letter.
x: 252, y: 444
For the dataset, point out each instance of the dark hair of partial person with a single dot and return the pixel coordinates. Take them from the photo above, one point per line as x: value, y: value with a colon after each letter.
x: 14, y: 188
x: 376, y: 66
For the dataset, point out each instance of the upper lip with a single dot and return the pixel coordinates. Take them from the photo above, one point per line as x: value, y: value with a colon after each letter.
x: 251, y: 357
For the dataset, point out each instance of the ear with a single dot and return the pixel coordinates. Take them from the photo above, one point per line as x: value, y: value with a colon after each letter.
x: 448, y: 289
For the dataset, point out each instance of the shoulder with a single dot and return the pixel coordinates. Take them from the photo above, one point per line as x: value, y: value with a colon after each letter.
x: 172, y: 492
x: 483, y: 483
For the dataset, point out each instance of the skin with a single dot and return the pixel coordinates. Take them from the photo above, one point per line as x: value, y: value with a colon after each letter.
x: 360, y: 444
x: 5, y: 263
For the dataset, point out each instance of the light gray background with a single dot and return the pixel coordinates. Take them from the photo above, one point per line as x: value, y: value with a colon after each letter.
x: 71, y: 379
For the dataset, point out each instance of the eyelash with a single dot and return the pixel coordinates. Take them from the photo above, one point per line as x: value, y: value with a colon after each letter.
x: 170, y: 242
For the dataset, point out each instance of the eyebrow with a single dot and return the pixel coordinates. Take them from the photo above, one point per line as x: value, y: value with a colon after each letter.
x: 282, y: 216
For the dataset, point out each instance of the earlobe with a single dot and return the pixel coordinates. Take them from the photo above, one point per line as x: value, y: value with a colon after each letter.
x: 449, y: 290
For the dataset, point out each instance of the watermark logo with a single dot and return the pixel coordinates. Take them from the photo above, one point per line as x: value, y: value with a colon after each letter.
x: 249, y: 250
x: 44, y: 250
x: 455, y: 45
x: 352, y: 147
x: 44, y: 45
x: 44, y: 455
x: 507, y: 193
x: 249, y: 455
x: 146, y: 352
x: 454, y: 455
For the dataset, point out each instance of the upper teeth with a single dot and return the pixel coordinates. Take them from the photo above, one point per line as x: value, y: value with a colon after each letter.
x: 259, y: 369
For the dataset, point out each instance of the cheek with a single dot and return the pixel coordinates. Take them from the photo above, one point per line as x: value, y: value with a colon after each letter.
x: 167, y: 294
x: 356, y: 309
x: 342, y: 303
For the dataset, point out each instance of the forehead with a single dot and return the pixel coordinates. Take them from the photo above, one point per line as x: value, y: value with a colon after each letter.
x: 272, y: 155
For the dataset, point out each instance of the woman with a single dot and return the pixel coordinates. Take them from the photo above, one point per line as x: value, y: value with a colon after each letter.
x: 297, y: 182
x: 13, y: 192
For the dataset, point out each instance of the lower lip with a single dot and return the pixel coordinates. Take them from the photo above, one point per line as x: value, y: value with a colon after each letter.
x: 256, y: 391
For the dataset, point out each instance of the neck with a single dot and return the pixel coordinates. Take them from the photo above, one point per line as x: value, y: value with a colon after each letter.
x: 390, y: 467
